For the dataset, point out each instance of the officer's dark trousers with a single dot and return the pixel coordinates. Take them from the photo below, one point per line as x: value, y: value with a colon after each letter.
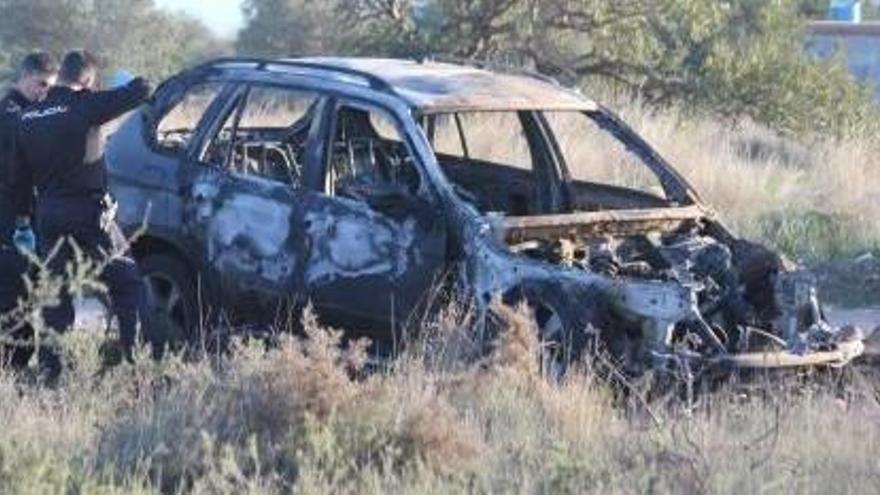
x: 12, y: 268
x: 80, y: 220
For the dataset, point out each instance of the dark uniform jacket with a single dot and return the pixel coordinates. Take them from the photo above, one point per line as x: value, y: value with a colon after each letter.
x: 11, y: 107
x: 59, y: 147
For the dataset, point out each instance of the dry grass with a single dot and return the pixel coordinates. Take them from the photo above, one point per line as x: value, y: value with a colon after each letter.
x: 300, y: 416
x: 816, y: 200
x: 294, y: 418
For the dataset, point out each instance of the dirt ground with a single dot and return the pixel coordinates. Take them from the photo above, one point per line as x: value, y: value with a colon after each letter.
x: 852, y: 283
x: 867, y: 318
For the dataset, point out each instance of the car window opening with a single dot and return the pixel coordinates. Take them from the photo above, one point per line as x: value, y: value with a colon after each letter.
x: 493, y: 161
x: 265, y: 135
x: 369, y: 157
x: 176, y: 128
x: 488, y: 157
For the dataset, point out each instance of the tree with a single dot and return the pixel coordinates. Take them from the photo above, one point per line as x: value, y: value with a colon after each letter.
x: 737, y: 58
x: 813, y: 9
x: 149, y: 40
x: 290, y: 28
x: 131, y: 34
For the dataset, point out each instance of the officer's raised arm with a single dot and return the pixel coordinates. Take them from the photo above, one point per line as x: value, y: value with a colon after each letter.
x: 94, y: 108
x: 103, y: 106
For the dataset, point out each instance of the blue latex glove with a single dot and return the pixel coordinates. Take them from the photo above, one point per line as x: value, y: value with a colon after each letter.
x: 121, y: 78
x: 24, y: 239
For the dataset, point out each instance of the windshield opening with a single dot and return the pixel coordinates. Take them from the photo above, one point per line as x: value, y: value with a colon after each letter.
x: 493, y: 159
x: 598, y: 161
x: 530, y: 163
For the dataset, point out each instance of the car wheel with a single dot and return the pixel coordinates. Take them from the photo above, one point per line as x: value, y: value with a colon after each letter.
x: 554, y: 351
x: 171, y: 302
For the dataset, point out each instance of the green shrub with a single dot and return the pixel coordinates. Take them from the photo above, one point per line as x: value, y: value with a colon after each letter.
x: 734, y: 59
x: 816, y: 236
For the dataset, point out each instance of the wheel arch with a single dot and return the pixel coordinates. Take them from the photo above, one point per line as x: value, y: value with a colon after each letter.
x: 152, y: 245
x: 148, y: 245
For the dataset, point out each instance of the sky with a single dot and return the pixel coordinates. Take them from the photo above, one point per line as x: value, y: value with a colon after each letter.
x: 223, y: 16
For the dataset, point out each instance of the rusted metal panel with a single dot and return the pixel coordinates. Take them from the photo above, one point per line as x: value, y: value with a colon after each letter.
x: 614, y: 222
x: 249, y: 232
x: 843, y: 353
x: 349, y: 240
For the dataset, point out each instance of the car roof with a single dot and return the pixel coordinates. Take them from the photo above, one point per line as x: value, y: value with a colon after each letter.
x: 437, y: 87
x: 445, y: 87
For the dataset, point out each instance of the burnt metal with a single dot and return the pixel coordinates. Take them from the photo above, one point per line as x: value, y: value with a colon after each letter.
x: 365, y: 226
x: 434, y: 87
x: 614, y: 223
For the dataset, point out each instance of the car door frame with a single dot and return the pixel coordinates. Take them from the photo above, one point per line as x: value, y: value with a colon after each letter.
x: 436, y: 248
x: 217, y: 184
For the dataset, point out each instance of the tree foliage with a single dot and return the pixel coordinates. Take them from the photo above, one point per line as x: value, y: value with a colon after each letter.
x: 130, y: 34
x: 737, y: 58
x: 290, y: 27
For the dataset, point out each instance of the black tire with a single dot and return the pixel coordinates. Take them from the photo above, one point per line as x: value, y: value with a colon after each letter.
x: 173, y: 315
x: 561, y: 342
x: 556, y: 350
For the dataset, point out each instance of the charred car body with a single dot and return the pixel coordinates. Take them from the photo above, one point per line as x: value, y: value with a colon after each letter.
x: 358, y: 184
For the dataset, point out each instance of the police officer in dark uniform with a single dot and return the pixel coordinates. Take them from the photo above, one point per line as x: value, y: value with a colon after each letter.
x: 36, y: 75
x: 60, y: 152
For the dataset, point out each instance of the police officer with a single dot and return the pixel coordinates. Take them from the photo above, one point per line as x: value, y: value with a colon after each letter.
x: 36, y: 75
x: 60, y: 152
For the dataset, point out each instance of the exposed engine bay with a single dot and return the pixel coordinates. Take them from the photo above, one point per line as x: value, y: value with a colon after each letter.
x: 748, y: 301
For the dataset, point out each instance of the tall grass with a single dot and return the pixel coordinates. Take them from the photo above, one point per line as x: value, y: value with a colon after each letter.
x: 815, y: 199
x: 299, y: 418
x: 303, y: 416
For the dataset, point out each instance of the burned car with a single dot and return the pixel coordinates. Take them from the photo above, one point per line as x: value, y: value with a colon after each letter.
x: 360, y: 185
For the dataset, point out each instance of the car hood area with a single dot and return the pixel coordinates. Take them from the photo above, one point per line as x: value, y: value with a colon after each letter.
x: 662, y: 288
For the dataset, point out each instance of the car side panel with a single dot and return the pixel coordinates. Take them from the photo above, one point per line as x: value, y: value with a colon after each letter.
x: 144, y: 182
x: 250, y: 234
x: 365, y: 269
